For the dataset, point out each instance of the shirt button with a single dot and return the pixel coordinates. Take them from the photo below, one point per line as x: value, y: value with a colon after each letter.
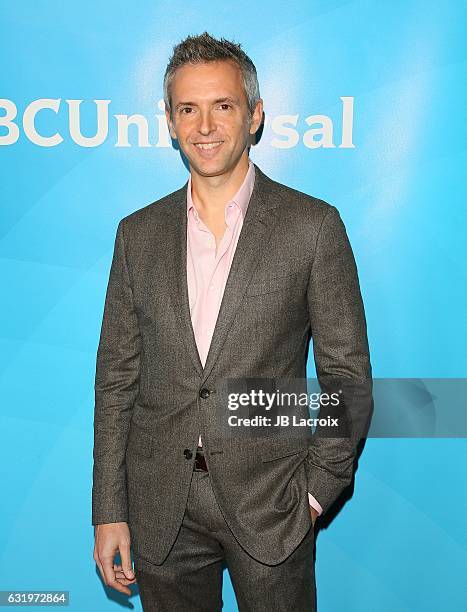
x: 204, y: 393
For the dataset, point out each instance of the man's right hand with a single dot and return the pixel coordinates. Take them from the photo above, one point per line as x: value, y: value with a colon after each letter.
x: 111, y: 538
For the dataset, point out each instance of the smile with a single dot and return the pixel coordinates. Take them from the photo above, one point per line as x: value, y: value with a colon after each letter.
x: 208, y: 145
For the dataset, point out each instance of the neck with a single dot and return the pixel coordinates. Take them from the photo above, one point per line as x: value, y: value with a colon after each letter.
x: 211, y: 193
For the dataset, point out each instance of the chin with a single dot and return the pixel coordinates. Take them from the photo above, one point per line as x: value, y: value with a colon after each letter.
x: 213, y: 168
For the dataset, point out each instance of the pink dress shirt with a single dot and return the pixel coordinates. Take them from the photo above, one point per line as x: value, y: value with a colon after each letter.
x: 207, y: 271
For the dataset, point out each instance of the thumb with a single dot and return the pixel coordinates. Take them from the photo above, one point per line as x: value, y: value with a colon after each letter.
x: 126, y: 561
x: 128, y: 571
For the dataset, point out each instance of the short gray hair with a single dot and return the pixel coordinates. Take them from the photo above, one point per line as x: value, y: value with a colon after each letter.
x: 204, y: 48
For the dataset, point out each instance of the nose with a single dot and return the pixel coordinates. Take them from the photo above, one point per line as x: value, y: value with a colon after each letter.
x: 206, y: 123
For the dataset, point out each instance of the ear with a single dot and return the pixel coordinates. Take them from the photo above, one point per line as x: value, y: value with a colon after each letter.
x: 173, y: 134
x: 257, y: 117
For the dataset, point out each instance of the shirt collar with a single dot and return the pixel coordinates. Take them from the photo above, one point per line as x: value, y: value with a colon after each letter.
x: 241, y: 198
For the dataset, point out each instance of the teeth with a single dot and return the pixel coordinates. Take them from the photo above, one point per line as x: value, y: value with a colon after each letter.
x: 209, y: 145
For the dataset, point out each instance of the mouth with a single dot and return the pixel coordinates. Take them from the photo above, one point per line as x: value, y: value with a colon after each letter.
x: 207, y: 146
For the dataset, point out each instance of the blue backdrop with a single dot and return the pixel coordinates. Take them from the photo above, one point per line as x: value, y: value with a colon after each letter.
x: 399, y: 182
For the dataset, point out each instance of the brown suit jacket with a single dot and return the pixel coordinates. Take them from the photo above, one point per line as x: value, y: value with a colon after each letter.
x: 293, y: 278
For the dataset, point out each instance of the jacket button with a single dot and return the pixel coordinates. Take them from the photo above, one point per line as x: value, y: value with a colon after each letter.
x: 188, y: 454
x: 204, y: 393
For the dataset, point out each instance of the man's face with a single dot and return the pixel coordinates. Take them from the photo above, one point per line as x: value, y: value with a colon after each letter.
x: 209, y: 107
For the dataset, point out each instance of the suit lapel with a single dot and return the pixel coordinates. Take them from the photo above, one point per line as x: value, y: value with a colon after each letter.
x: 175, y: 254
x: 257, y: 227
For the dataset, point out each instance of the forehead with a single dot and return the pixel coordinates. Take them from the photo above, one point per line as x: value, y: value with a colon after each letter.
x: 207, y: 80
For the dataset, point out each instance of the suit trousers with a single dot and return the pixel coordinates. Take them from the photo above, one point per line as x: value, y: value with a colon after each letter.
x: 190, y: 578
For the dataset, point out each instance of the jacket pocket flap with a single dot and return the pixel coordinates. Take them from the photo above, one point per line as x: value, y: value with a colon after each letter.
x: 285, y: 448
x: 139, y: 441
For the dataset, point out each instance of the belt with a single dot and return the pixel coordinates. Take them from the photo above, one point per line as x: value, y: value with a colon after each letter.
x: 200, y: 461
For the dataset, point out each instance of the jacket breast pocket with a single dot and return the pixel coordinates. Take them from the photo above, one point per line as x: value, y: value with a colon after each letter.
x: 271, y: 284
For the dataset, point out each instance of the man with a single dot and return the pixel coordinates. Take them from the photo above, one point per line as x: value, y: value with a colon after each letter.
x: 226, y: 278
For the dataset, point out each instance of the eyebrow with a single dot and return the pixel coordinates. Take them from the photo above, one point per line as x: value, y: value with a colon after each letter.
x: 218, y: 101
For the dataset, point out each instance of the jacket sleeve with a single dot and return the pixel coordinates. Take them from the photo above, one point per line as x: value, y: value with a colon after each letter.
x: 342, y: 359
x: 116, y: 388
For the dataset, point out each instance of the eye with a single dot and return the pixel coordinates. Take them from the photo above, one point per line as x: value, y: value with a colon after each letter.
x: 225, y: 106
x: 186, y: 108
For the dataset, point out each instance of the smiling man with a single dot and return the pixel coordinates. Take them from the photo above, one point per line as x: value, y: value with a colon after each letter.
x: 228, y: 277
